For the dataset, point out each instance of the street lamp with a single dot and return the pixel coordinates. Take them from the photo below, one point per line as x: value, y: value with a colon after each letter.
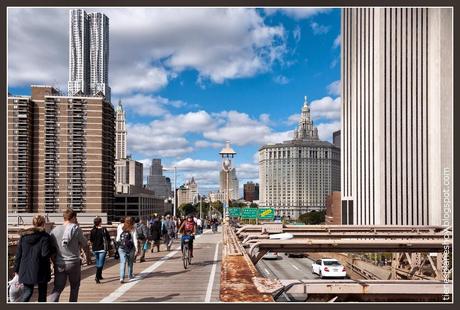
x: 226, y: 153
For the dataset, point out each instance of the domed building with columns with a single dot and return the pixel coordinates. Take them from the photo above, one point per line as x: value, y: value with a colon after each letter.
x: 297, y: 175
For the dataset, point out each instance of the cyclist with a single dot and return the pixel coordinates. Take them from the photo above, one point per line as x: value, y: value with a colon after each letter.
x: 188, y: 227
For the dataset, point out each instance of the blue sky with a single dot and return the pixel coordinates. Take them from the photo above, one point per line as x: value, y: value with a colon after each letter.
x: 190, y: 79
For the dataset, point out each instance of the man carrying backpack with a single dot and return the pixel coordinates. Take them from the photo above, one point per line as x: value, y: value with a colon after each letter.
x: 169, y: 231
x: 142, y: 237
x: 127, y: 247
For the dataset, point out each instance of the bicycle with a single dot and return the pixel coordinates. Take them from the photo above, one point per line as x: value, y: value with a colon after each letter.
x: 186, y: 257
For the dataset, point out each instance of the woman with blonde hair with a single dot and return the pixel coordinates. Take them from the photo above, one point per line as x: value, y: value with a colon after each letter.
x: 127, y: 247
x: 32, y: 263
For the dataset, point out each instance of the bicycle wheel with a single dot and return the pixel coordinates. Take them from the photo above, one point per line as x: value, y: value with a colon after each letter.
x: 185, y: 255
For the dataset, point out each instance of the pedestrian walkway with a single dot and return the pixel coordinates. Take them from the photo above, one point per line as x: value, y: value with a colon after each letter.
x: 162, y: 278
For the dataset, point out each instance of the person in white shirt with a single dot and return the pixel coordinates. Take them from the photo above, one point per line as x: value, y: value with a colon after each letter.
x: 127, y: 247
x: 199, y: 225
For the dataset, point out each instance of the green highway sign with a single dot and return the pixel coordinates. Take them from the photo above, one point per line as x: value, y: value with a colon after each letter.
x: 234, y: 212
x: 266, y: 213
x: 249, y: 213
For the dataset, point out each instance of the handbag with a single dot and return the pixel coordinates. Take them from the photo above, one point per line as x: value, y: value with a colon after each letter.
x: 15, y: 289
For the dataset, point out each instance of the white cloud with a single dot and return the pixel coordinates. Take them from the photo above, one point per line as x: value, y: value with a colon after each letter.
x: 265, y: 118
x: 148, y: 46
x: 326, y: 108
x: 188, y: 164
x: 205, y: 144
x: 165, y: 137
x: 247, y: 171
x: 293, y: 119
x: 334, y: 88
x: 297, y: 13
x: 334, y: 62
x: 281, y: 79
x: 149, y: 105
x: 241, y: 130
x: 138, y: 77
x: 325, y: 130
x: 336, y: 42
x: 319, y: 29
x: 297, y: 33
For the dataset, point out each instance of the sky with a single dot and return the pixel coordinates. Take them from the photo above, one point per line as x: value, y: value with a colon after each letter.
x: 191, y: 78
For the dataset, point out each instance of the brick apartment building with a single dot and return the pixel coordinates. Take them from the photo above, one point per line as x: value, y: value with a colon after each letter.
x: 60, y: 152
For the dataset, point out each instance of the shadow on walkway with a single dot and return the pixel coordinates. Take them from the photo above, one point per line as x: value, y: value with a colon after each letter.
x: 153, y: 299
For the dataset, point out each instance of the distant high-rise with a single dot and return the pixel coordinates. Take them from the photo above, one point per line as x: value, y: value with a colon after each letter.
x: 157, y: 182
x: 128, y: 174
x: 397, y: 109
x: 88, y: 54
x: 233, y: 184
x: 120, y: 133
x: 251, y: 191
x: 336, y: 136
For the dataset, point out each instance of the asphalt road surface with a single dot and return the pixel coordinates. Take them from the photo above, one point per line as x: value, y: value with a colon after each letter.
x: 286, y: 268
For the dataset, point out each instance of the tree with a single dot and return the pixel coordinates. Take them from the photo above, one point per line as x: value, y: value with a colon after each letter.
x: 187, y: 208
x: 253, y: 205
x: 313, y: 217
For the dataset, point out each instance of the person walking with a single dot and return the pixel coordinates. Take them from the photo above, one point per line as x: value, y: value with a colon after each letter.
x: 68, y: 240
x: 170, y: 231
x: 127, y: 248
x: 142, y: 237
x: 155, y: 233
x: 100, y: 241
x: 199, y: 224
x: 32, y: 261
x: 117, y: 256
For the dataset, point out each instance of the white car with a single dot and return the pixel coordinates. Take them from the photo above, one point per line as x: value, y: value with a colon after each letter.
x: 328, y: 268
x: 270, y: 255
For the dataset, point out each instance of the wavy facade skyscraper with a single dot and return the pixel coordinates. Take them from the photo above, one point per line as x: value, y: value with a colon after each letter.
x: 88, y: 54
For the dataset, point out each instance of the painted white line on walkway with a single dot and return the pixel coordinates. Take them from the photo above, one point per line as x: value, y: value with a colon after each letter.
x: 127, y: 286
x: 211, y: 277
x: 295, y: 267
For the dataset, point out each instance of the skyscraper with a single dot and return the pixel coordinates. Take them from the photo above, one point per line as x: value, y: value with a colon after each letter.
x: 120, y: 133
x: 233, y: 184
x: 88, y: 54
x: 296, y: 176
x: 397, y: 114
x: 156, y: 181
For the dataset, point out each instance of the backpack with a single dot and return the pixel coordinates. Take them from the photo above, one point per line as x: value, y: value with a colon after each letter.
x: 189, y: 226
x: 140, y: 232
x: 126, y: 241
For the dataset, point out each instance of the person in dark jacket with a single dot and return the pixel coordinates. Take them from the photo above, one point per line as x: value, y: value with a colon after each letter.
x: 155, y: 233
x: 100, y: 241
x: 32, y: 263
